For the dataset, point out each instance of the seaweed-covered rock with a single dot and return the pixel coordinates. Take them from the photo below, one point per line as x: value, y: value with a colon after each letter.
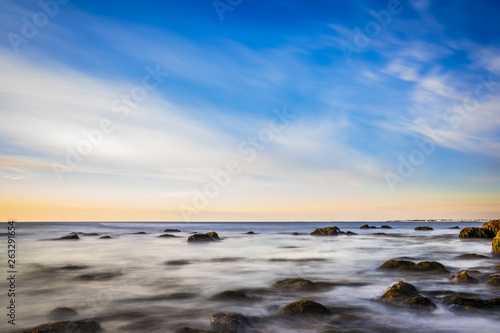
x: 167, y: 236
x: 463, y: 277
x: 386, y: 227
x: 87, y: 326
x: 495, y: 245
x: 471, y: 303
x: 208, y: 237
x: 305, y: 307
x: 366, y: 226
x: 493, y: 225
x: 410, y: 266
x: 327, y: 231
x: 418, y: 302
x: 62, y: 313
x: 232, y: 322
x: 70, y: 236
x: 494, y: 280
x: 476, y: 233
x: 423, y: 228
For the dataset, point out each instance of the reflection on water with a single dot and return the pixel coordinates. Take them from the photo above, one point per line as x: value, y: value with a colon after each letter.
x: 144, y: 283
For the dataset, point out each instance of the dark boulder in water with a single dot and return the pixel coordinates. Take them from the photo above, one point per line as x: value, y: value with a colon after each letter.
x: 105, y: 237
x: 476, y: 233
x: 250, y: 233
x: 464, y: 277
x: 386, y: 227
x: 167, y: 236
x: 423, y: 228
x: 455, y: 227
x: 471, y: 303
x: 99, y: 276
x: 70, y: 236
x: 140, y: 233
x: 295, y: 234
x: 87, y: 326
x: 232, y: 322
x: 171, y: 230
x: 231, y: 295
x: 327, y: 231
x: 366, y: 226
x: 62, y: 313
x: 208, y: 237
x: 305, y: 308
x: 406, y: 295
x: 410, y: 266
x: 494, y: 280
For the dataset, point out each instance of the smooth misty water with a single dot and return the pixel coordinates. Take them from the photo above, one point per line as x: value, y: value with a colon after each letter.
x: 149, y: 295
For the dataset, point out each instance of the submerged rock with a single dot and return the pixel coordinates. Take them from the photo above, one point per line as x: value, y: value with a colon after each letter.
x: 167, y: 236
x: 62, y: 313
x: 140, y: 233
x: 105, y: 237
x: 423, y: 228
x: 250, y: 233
x: 99, y: 276
x: 470, y: 232
x: 231, y: 295
x: 87, y: 326
x: 232, y: 322
x: 327, y: 231
x: 404, y: 294
x: 366, y: 226
x: 171, y: 230
x: 208, y: 237
x: 386, y: 227
x: 463, y: 277
x: 455, y: 227
x: 70, y: 236
x: 471, y: 256
x: 471, y: 303
x: 495, y: 245
x: 305, y: 308
x: 410, y: 266
x: 494, y: 280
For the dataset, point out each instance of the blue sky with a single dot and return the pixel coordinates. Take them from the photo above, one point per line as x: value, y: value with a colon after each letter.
x: 419, y: 69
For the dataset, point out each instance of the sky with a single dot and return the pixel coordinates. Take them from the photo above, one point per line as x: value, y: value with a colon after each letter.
x: 249, y: 110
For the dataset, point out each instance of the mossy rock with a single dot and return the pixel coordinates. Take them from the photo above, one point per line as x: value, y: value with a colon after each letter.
x: 472, y: 256
x: 386, y: 227
x: 87, y: 326
x: 294, y: 283
x: 463, y: 277
x: 494, y: 280
x: 401, y: 265
x: 423, y: 228
x: 366, y: 226
x: 327, y: 231
x: 305, y: 308
x: 399, y: 291
x: 476, y: 233
x: 410, y: 266
x: 232, y: 322
x: 231, y: 295
x: 469, y: 303
x: 495, y: 245
x: 208, y: 237
x: 426, y: 266
x: 493, y: 225
x: 419, y: 302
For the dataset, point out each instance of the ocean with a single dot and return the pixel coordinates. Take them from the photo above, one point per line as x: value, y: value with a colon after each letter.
x: 140, y: 282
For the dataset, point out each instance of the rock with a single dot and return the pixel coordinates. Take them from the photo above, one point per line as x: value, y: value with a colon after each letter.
x: 171, y: 230
x: 192, y: 330
x: 463, y: 277
x: 87, y: 326
x: 423, y: 228
x: 105, y: 237
x: 455, y: 227
x: 305, y: 307
x: 476, y: 233
x: 410, y: 266
x: 493, y: 225
x: 70, y: 236
x: 419, y: 302
x: 208, y: 237
x: 232, y: 322
x: 495, y: 245
x: 366, y: 226
x: 295, y: 234
x: 350, y: 233
x: 295, y: 283
x: 470, y: 303
x: 167, y: 235
x: 62, y: 313
x: 250, y: 233
x: 406, y: 295
x: 327, y: 231
x: 99, y: 276
x: 494, y: 280
x: 178, y: 262
x: 471, y: 256
x: 74, y: 267
x: 386, y: 227
x: 231, y: 295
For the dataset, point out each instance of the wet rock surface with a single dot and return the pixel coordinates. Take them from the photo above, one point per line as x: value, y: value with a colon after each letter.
x: 405, y: 295
x: 473, y: 232
x: 327, y: 231
x: 423, y: 228
x: 464, y: 277
x: 62, y: 313
x: 232, y: 322
x: 87, y: 326
x: 305, y: 308
x: 208, y: 237
x: 410, y: 266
